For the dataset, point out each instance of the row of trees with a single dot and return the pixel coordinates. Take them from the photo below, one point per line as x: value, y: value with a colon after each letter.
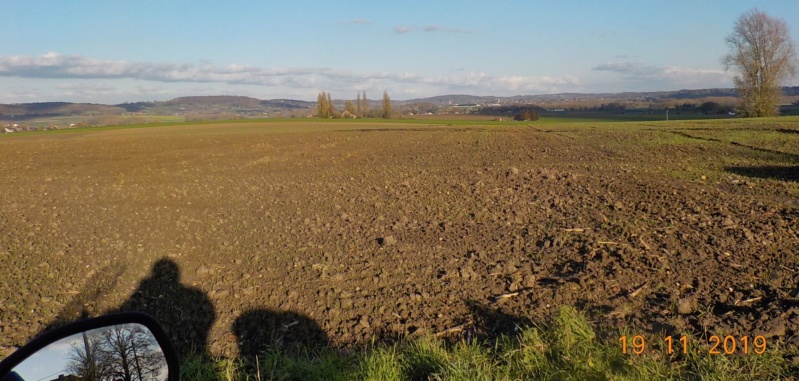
x: 527, y: 115
x: 358, y: 109
x: 707, y: 108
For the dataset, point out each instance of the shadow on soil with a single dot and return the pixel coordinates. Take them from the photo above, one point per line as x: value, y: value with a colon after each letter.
x: 185, y: 313
x: 789, y: 156
x: 790, y: 173
x: 261, y: 329
x: 86, y: 303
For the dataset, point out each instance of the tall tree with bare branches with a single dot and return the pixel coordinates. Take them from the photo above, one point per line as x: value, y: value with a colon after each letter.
x: 764, y: 56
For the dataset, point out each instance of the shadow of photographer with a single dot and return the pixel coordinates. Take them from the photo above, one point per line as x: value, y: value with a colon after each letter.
x: 186, y: 313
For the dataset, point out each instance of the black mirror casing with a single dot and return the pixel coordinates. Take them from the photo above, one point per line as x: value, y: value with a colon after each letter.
x: 39, y: 343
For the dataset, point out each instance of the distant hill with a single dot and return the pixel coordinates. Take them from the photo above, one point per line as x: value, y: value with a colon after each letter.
x: 625, y: 96
x: 23, y: 111
x: 253, y: 107
x: 215, y: 100
x: 234, y: 102
x: 217, y: 104
x: 456, y: 99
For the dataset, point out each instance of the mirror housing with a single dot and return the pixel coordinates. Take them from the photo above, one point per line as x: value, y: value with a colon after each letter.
x: 38, y: 344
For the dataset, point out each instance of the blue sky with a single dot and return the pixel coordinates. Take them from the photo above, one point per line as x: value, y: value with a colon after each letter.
x: 113, y: 51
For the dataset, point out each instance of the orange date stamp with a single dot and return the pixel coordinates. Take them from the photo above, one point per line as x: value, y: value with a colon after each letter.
x: 718, y: 345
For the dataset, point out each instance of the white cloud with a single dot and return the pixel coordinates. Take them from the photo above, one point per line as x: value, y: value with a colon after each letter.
x: 539, y: 84
x: 22, y: 95
x: 628, y: 68
x: 674, y: 75
x: 101, y: 86
x: 53, y: 65
x: 76, y: 77
x: 403, y: 29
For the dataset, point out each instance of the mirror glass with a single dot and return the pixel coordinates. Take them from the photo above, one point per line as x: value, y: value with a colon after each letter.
x: 127, y: 352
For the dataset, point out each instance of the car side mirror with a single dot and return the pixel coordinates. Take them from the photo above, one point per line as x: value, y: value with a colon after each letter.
x: 124, y: 346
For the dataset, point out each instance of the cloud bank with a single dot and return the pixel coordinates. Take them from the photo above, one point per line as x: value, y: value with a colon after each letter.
x: 58, y: 66
x: 636, y: 71
x: 55, y: 76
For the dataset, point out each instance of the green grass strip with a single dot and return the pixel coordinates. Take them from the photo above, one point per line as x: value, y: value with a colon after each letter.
x: 565, y: 349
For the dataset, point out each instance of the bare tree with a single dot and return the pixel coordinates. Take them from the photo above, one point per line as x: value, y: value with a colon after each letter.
x: 133, y: 352
x: 763, y: 55
x: 127, y: 353
x: 88, y: 361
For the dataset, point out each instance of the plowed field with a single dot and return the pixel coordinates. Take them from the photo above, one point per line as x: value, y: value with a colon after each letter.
x: 336, y: 233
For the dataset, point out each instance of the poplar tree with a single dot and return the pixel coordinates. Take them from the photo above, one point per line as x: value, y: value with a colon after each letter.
x: 331, y: 109
x: 322, y: 105
x: 365, y: 108
x: 386, y: 106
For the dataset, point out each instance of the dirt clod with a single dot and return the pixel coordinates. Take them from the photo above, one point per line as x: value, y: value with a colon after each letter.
x: 685, y: 306
x: 387, y: 240
x: 775, y: 327
x: 202, y: 271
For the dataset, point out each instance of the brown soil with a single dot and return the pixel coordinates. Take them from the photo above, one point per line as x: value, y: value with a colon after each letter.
x: 237, y: 234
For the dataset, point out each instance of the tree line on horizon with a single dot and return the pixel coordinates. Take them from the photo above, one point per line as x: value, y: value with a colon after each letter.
x: 359, y: 109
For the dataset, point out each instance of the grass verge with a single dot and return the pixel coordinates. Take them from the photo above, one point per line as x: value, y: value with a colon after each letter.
x: 565, y: 349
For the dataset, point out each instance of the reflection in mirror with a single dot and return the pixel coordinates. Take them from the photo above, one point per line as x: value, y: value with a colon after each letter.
x: 127, y: 352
